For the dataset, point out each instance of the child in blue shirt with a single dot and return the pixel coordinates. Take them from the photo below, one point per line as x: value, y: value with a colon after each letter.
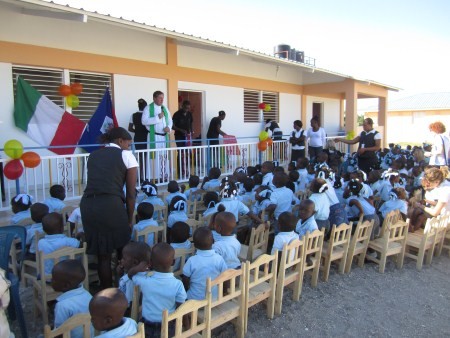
x: 281, y: 198
x: 67, y: 277
x: 38, y: 212
x: 248, y: 197
x: 227, y: 245
x: 397, y: 201
x: 190, y: 194
x: 133, y: 253
x: 302, y: 165
x: 20, y: 206
x: 177, y: 213
x: 206, y: 263
x: 57, y: 196
x: 54, y: 239
x: 212, y: 182
x: 262, y: 197
x: 306, y: 223
x: 322, y: 203
x: 180, y: 234
x: 174, y: 190
x: 267, y: 172
x: 210, y: 201
x: 107, y: 309
x: 161, y: 291
x: 151, y: 191
x: 286, y: 223
x: 145, y: 215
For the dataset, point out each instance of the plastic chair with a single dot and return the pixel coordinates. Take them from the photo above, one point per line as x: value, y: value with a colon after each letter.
x: 7, y: 236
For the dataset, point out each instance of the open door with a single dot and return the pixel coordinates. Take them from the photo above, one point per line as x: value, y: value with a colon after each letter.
x: 196, y: 99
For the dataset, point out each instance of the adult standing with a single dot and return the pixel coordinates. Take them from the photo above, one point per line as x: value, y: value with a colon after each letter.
x: 182, y: 124
x: 140, y: 134
x: 273, y: 129
x: 214, y: 129
x: 369, y: 143
x: 107, y: 222
x: 316, y: 138
x: 441, y: 145
x: 158, y: 121
x: 297, y: 140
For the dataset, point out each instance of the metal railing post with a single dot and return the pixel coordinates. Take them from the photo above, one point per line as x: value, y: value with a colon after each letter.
x: 208, y: 156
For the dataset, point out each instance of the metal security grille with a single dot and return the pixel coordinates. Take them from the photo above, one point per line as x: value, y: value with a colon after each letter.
x: 272, y: 99
x: 94, y: 86
x: 251, y: 101
x: 46, y: 81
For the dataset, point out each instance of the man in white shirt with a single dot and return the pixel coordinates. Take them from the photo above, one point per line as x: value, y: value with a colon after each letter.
x: 158, y: 121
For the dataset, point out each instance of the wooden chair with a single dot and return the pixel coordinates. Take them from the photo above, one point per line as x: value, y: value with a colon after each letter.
x: 198, y: 326
x: 359, y: 244
x: 158, y: 232
x: 259, y: 239
x: 391, y: 218
x: 290, y: 271
x: 136, y: 302
x: 42, y: 290
x: 313, y: 250
x: 336, y: 248
x: 161, y: 213
x: 193, y: 224
x: 81, y: 319
x: 230, y: 302
x: 446, y: 242
x: 441, y: 229
x: 418, y: 244
x: 393, y: 242
x: 140, y: 332
x: 204, y: 220
x: 181, y: 256
x: 261, y: 283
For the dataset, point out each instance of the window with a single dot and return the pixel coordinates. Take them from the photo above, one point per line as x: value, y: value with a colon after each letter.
x: 94, y: 86
x: 46, y: 81
x: 252, y: 98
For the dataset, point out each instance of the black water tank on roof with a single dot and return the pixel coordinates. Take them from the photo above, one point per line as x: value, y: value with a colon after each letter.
x: 292, y: 55
x: 300, y: 56
x: 282, y: 51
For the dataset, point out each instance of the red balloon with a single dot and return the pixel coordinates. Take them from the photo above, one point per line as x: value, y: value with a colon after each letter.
x: 76, y: 88
x: 30, y: 159
x: 269, y: 142
x: 64, y: 90
x: 13, y: 170
x: 262, y: 105
x: 262, y: 146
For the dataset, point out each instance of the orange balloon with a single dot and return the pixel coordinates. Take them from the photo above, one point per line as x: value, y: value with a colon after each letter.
x: 64, y: 90
x: 269, y: 142
x: 262, y: 146
x: 76, y: 88
x: 31, y: 159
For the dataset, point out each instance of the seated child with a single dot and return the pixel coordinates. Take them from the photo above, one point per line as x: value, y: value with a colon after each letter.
x: 227, y: 245
x: 311, y: 174
x: 281, y: 198
x: 302, y: 168
x: 76, y: 223
x: 267, y: 172
x: 337, y: 214
x: 174, y: 190
x: 396, y: 202
x: 322, y: 203
x: 239, y: 177
x: 133, y: 253
x: 107, y: 309
x: 160, y: 291
x: 67, y: 277
x: 390, y: 181
x: 321, y: 161
x: 180, y: 234
x: 262, y: 197
x: 212, y: 182
x: 206, y: 263
x: 38, y: 211
x: 294, y: 177
x: 257, y: 178
x: 210, y: 200
x: 20, y: 206
x: 57, y: 196
x: 151, y: 191
x: 248, y: 197
x: 307, y: 221
x: 177, y: 213
x: 145, y: 216
x: 54, y: 239
x: 190, y: 194
x: 286, y: 224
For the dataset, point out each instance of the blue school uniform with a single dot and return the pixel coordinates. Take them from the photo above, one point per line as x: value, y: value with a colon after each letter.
x: 303, y: 227
x: 51, y: 243
x: 127, y: 328
x: 258, y: 207
x: 281, y: 239
x: 54, y: 204
x: 189, y: 192
x: 205, y: 264
x: 247, y: 198
x: 176, y: 216
x: 282, y: 198
x: 172, y: 195
x: 229, y: 248
x: 141, y: 225
x: 185, y: 245
x: 236, y: 207
x: 154, y: 200
x: 267, y: 180
x: 303, y: 179
x: 391, y: 205
x: 21, y: 215
x: 69, y: 304
x: 126, y: 285
x: 212, y: 184
x: 31, y: 233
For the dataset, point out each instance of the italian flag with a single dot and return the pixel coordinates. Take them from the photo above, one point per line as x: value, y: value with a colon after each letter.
x: 44, y: 121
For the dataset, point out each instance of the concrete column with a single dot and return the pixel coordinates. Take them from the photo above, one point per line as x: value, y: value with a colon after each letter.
x: 172, y: 81
x: 351, y: 117
x: 382, y: 118
x: 303, y: 112
x: 341, y: 114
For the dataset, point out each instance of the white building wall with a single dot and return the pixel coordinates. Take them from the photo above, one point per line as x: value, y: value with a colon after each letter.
x: 330, y: 117
x: 290, y: 110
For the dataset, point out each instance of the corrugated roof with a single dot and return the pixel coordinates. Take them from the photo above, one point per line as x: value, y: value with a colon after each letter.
x: 424, y: 101
x: 194, y: 39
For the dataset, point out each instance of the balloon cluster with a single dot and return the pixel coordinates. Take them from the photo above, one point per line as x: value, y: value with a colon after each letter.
x: 265, y: 106
x: 14, y: 168
x: 264, y: 141
x: 70, y: 93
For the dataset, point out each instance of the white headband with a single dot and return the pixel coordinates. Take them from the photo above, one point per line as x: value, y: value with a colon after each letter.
x: 393, y: 195
x: 149, y: 189
x: 180, y: 205
x: 24, y: 198
x: 323, y: 188
x: 265, y: 193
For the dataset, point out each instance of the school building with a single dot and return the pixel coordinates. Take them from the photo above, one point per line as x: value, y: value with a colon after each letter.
x: 50, y: 44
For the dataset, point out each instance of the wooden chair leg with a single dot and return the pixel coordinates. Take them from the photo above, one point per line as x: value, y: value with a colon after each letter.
x: 315, y: 275
x: 401, y: 258
x: 420, y: 256
x: 279, y: 297
x: 429, y: 256
x: 361, y: 259
x: 326, y: 268
x: 342, y: 264
x: 382, y: 262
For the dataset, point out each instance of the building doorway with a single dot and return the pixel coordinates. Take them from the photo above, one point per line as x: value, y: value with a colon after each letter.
x: 196, y: 99
x: 317, y: 112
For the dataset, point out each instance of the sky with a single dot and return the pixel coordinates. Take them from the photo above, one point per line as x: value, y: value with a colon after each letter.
x: 402, y: 43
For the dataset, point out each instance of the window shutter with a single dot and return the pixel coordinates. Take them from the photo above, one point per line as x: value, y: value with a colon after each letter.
x: 251, y: 102
x: 272, y: 99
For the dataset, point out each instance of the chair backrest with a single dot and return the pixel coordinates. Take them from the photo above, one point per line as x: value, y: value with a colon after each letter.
x: 291, y: 257
x: 259, y: 239
x: 314, y: 242
x: 204, y: 220
x: 197, y: 323
x: 262, y: 270
x: 396, y: 232
x: 391, y: 218
x: 59, y: 255
x: 362, y: 233
x: 193, y: 224
x: 81, y: 319
x: 161, y: 213
x: 158, y: 232
x: 7, y: 236
x: 230, y: 287
x: 140, y: 332
x: 340, y: 236
x: 180, y: 258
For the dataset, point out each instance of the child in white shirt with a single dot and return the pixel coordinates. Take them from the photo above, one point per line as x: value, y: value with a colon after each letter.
x: 286, y: 223
x: 227, y: 246
x: 145, y: 212
x: 321, y: 202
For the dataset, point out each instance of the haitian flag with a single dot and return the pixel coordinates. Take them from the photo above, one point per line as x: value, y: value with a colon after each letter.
x: 103, y: 119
